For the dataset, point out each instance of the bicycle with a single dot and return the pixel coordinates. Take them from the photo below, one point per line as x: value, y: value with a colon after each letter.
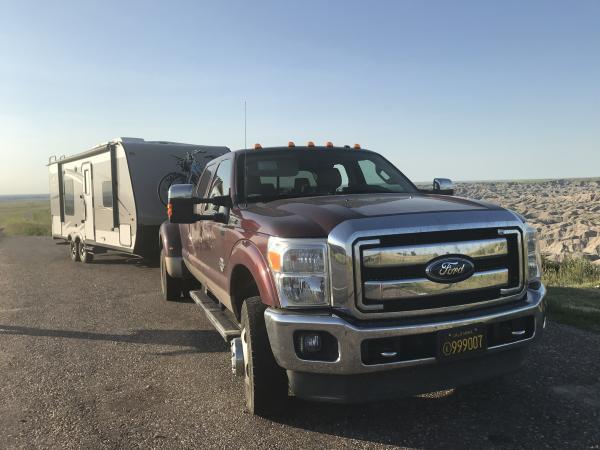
x: 189, y: 174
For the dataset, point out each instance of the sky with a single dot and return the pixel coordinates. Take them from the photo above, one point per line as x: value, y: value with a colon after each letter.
x: 468, y: 90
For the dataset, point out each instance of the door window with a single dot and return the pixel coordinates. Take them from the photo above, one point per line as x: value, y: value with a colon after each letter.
x: 221, y: 185
x: 204, y: 180
x: 86, y: 181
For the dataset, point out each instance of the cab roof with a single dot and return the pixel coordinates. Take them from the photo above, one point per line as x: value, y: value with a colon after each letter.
x: 315, y: 148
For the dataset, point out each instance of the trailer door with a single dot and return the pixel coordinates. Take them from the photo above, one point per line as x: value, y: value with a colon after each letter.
x: 88, y: 200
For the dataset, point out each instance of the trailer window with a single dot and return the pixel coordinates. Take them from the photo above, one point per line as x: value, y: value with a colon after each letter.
x: 69, y: 197
x: 107, y: 194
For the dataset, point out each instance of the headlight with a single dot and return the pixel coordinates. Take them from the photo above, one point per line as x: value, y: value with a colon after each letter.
x: 300, y: 270
x: 534, y: 257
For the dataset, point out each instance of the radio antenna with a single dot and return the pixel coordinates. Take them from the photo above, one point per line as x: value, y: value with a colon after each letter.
x: 245, y: 160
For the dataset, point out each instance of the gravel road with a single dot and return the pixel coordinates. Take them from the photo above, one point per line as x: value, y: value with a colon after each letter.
x: 90, y: 357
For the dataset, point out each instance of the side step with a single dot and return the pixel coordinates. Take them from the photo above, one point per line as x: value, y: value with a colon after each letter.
x: 223, y: 324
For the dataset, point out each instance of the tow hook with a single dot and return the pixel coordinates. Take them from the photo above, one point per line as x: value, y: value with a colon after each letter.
x: 237, y: 357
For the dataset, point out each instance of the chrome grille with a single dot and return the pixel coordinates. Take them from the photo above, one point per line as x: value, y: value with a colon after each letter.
x: 390, y: 271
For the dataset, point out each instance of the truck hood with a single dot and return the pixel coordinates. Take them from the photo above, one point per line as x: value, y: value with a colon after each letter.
x: 315, y: 217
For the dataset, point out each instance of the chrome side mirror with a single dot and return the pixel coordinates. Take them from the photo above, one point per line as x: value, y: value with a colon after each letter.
x: 443, y: 186
x: 180, y: 208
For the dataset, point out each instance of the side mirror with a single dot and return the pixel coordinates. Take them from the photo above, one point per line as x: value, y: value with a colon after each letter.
x: 180, y: 208
x: 443, y: 186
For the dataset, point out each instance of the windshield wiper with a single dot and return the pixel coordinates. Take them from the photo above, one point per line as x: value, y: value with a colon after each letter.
x: 272, y: 198
x: 367, y: 190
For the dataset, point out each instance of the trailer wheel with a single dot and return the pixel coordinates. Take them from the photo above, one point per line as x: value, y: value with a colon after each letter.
x: 171, y: 288
x: 74, y: 250
x: 84, y: 255
x: 265, y: 383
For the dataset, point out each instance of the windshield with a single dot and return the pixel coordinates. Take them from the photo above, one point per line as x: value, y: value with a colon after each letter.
x: 274, y: 174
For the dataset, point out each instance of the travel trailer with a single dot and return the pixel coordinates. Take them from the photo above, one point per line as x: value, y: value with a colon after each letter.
x: 109, y: 197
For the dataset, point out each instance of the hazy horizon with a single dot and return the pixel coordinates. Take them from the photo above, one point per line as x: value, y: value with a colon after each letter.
x: 417, y: 182
x: 465, y: 90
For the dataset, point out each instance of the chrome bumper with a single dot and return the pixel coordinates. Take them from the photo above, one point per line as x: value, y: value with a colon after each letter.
x: 281, y: 326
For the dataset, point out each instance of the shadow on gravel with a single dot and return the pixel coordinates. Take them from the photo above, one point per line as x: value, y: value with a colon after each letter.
x: 126, y: 259
x: 196, y: 341
x: 434, y: 419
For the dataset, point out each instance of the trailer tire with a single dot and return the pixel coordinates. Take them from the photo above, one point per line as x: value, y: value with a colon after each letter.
x: 171, y: 288
x: 84, y: 255
x: 74, y: 250
x: 265, y: 383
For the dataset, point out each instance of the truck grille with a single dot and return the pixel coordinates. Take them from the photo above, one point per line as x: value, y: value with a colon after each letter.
x: 390, y: 271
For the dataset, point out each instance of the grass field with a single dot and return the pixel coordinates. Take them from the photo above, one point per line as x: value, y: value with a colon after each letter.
x: 25, y: 217
x: 574, y: 292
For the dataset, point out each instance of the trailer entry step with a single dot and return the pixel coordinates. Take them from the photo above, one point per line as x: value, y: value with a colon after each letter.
x: 223, y: 324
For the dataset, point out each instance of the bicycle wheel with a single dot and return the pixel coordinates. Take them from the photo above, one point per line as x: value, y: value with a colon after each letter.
x: 166, y: 182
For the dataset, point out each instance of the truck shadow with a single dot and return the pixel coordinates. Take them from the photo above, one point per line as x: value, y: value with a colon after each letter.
x: 426, y: 421
x: 189, y: 341
x: 116, y: 259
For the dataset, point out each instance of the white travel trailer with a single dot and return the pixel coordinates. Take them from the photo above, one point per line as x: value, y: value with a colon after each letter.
x: 107, y: 198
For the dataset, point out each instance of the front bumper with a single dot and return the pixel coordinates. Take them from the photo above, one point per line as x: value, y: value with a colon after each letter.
x: 282, y: 326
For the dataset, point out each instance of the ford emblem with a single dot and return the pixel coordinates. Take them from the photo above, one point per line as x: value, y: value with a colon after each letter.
x: 450, y: 269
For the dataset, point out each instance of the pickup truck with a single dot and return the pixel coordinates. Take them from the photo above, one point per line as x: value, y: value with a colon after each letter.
x: 335, y: 278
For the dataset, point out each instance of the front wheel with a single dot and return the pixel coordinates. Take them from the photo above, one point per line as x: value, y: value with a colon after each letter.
x: 265, y: 383
x: 166, y: 182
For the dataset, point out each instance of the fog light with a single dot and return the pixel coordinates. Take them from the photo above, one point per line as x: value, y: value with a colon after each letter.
x: 310, y: 343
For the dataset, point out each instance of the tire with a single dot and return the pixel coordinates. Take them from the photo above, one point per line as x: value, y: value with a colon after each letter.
x: 265, y: 383
x: 162, y: 190
x: 84, y: 255
x: 171, y: 288
x: 74, y: 250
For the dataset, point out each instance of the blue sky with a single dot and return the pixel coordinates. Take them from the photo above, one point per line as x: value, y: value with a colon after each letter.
x: 462, y: 89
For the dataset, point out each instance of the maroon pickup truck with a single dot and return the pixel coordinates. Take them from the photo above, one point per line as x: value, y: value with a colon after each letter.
x: 335, y: 278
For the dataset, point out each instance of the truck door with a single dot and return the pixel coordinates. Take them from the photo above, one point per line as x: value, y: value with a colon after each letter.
x: 191, y: 235
x: 215, y: 249
x: 88, y: 202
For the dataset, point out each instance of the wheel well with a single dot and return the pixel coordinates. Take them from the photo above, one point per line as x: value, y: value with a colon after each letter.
x: 243, y: 286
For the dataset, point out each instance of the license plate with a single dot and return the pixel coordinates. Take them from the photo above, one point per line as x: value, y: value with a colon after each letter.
x: 461, y: 342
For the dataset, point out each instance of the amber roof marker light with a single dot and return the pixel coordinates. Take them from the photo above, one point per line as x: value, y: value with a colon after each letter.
x: 310, y: 144
x: 291, y: 144
x: 257, y: 146
x: 356, y: 146
x: 329, y: 144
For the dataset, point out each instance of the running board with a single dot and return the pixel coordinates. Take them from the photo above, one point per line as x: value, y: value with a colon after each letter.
x: 223, y: 324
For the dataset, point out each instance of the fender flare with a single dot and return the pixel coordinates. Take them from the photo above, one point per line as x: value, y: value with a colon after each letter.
x: 246, y: 254
x: 169, y: 238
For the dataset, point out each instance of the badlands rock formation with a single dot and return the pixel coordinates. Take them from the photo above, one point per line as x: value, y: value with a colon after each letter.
x: 565, y: 212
